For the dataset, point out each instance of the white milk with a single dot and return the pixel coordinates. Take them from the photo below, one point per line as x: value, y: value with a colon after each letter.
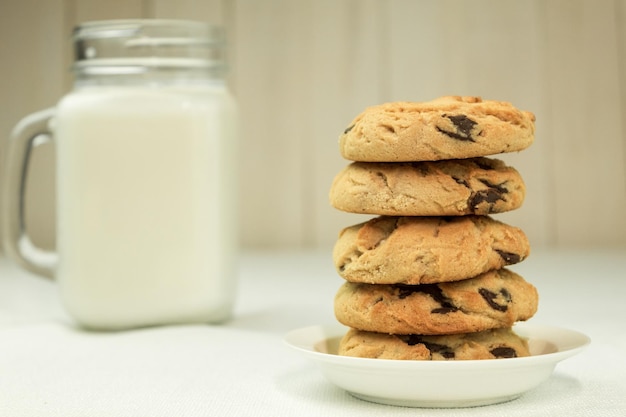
x: 146, y: 187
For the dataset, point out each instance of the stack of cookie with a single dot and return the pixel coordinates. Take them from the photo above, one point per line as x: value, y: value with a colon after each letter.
x: 426, y: 278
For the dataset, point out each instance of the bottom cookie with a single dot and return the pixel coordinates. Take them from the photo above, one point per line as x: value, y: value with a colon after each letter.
x: 489, y: 344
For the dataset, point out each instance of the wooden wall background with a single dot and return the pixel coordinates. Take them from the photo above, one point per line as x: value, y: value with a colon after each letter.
x: 302, y: 69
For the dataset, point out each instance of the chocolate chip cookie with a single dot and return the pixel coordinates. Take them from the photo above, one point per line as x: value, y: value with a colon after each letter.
x: 441, y: 188
x: 423, y: 250
x: 449, y: 127
x: 495, y: 299
x: 488, y: 344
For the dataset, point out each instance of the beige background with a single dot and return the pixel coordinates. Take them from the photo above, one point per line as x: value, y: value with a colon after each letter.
x: 302, y: 69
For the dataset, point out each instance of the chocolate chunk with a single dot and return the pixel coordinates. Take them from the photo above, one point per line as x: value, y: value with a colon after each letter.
x: 405, y: 290
x: 499, y: 187
x: 432, y: 290
x: 484, y: 163
x: 493, y: 193
x: 490, y: 297
x: 504, y: 352
x: 441, y: 349
x: 444, y: 310
x: 490, y: 196
x: 348, y: 129
x: 509, y: 257
x: 414, y: 339
x: 464, y: 126
x: 463, y: 123
x: 410, y: 339
x: 461, y: 181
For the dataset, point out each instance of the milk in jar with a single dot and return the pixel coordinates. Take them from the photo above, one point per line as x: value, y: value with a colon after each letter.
x: 145, y: 219
x: 146, y: 178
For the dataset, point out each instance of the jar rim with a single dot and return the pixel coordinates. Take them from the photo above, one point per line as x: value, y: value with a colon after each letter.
x: 151, y: 43
x: 115, y: 28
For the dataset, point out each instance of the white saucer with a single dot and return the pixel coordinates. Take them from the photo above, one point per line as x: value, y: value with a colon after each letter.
x: 439, y: 383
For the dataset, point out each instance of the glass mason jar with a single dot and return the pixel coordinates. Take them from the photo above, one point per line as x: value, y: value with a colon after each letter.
x: 146, y: 177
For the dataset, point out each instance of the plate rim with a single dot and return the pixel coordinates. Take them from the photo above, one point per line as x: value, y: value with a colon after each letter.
x: 524, y: 328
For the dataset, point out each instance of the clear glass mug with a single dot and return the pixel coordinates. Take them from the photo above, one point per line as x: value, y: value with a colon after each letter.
x: 146, y: 178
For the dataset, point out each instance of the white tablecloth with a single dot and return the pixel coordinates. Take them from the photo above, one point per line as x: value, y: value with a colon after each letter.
x: 50, y: 368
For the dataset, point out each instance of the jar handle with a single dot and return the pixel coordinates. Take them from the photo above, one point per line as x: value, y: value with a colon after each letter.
x: 30, y: 132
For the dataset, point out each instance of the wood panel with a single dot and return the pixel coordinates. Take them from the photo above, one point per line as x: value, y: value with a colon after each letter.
x: 211, y: 11
x: 86, y: 10
x: 269, y: 63
x: 302, y: 69
x: 620, y: 25
x: 586, y: 132
x: 33, y: 67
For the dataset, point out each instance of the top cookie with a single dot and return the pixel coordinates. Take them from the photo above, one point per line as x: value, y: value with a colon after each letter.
x: 450, y: 127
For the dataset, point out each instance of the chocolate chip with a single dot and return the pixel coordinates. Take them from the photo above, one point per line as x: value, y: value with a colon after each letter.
x: 461, y: 181
x: 509, y: 257
x: 484, y: 164
x: 490, y: 196
x: 490, y: 297
x: 501, y: 188
x: 414, y: 339
x: 348, y: 129
x: 464, y: 126
x: 410, y: 339
x: 441, y: 349
x: 506, y: 294
x: 463, y: 123
x: 405, y: 290
x: 504, y: 352
x: 433, y: 291
x: 493, y: 193
x: 444, y: 310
